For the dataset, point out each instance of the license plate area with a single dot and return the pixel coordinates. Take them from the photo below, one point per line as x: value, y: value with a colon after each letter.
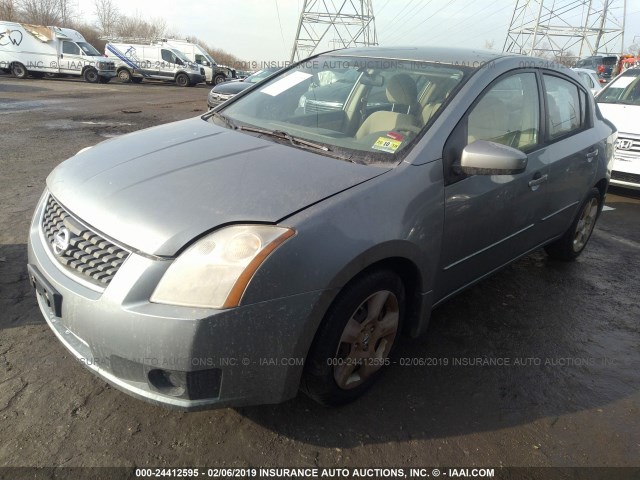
x: 50, y: 295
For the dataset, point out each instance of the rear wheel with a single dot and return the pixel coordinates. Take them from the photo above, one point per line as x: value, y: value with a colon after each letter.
x: 19, y: 70
x: 355, y: 339
x: 573, y: 242
x: 91, y: 75
x: 124, y: 75
x: 183, y: 80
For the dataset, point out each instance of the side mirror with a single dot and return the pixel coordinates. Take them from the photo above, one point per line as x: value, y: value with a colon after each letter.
x: 488, y: 158
x: 205, y: 63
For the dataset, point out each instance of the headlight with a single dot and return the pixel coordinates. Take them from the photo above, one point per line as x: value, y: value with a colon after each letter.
x: 214, y: 271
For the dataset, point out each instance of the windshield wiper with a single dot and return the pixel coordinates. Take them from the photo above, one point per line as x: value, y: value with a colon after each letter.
x: 286, y: 136
x: 297, y: 142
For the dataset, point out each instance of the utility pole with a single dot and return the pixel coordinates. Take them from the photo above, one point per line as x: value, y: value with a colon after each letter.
x: 350, y: 22
x: 557, y: 28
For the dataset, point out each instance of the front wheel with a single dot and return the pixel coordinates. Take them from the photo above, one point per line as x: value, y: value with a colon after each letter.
x: 183, y: 80
x: 19, y: 70
x: 218, y: 79
x: 355, y: 339
x: 91, y: 75
x: 124, y: 75
x: 573, y: 242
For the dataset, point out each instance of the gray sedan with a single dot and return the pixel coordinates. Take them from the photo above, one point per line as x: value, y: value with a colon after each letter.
x: 234, y: 258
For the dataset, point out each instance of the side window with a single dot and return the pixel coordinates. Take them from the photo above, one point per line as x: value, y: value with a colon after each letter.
x: 566, y: 110
x: 200, y: 59
x: 70, y: 48
x: 586, y: 78
x: 168, y: 56
x: 509, y: 113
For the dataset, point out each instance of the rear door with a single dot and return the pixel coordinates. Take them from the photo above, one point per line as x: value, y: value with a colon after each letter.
x: 572, y: 150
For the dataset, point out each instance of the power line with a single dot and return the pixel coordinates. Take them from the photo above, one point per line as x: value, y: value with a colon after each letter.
x: 407, y: 32
x: 284, y: 44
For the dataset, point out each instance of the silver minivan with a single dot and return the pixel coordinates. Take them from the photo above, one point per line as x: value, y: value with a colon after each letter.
x: 295, y: 252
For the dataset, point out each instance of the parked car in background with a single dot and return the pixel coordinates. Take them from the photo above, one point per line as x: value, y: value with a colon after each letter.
x: 135, y: 62
x: 224, y: 91
x: 37, y: 50
x: 619, y: 102
x: 213, y: 72
x: 590, y: 79
x: 606, y: 66
x: 233, y: 258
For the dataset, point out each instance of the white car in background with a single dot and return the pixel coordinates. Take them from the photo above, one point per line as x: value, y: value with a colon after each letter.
x: 619, y: 102
x: 590, y: 79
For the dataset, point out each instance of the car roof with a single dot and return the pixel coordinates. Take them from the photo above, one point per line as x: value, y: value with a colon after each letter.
x: 445, y: 55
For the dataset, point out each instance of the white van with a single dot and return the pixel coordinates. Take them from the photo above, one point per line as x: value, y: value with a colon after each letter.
x: 214, y: 73
x: 134, y: 62
x: 35, y: 50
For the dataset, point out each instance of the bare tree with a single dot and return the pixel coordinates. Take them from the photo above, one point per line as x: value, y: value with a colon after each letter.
x: 8, y: 11
x: 108, y: 17
x: 46, y: 12
x: 136, y: 27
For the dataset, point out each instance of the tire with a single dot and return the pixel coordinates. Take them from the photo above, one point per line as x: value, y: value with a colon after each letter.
x: 91, y: 75
x: 105, y: 79
x: 124, y: 75
x: 218, y: 79
x: 349, y: 335
x: 183, y: 80
x: 573, y: 242
x: 37, y: 74
x: 19, y: 70
x: 136, y: 79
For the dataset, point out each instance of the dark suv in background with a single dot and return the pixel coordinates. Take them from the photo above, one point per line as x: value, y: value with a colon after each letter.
x: 607, y: 66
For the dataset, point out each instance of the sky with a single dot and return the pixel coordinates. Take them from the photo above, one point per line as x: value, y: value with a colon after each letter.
x: 264, y: 30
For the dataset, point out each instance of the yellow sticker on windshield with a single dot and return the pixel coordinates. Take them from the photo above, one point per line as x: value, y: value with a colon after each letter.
x: 386, y: 144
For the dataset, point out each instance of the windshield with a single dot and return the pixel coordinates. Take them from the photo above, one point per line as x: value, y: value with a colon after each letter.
x: 204, y: 53
x: 180, y: 55
x: 259, y: 76
x: 364, y: 110
x: 88, y: 49
x: 623, y: 89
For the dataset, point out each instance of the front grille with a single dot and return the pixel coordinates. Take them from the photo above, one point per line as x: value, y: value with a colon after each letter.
x: 631, y: 145
x: 625, y: 177
x: 88, y: 254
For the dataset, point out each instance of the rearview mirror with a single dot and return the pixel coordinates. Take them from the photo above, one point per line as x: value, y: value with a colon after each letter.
x: 489, y: 158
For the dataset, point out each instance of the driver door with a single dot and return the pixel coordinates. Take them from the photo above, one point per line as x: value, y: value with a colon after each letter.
x: 71, y: 58
x: 492, y: 219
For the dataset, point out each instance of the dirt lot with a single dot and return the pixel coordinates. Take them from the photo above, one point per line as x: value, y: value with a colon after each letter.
x: 574, y: 402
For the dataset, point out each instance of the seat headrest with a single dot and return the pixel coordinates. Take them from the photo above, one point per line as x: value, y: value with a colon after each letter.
x: 402, y: 89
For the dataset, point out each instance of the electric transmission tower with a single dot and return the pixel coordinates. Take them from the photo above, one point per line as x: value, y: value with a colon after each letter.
x: 349, y: 22
x: 566, y: 28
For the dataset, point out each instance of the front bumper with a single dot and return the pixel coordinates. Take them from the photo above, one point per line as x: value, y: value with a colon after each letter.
x: 107, y: 73
x: 195, y: 77
x: 187, y: 358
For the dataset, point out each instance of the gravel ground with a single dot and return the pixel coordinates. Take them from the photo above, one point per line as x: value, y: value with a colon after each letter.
x: 570, y: 395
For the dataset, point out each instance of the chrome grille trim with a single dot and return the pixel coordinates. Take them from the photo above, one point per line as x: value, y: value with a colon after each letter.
x: 89, y: 255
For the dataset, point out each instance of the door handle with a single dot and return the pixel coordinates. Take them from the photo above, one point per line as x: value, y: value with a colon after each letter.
x: 591, y: 155
x: 538, y: 180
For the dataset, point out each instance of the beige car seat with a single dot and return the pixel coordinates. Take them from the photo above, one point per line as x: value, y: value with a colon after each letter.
x: 401, y: 91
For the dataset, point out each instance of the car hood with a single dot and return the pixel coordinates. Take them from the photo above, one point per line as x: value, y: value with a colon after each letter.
x: 624, y: 117
x: 157, y: 189
x: 235, y: 86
